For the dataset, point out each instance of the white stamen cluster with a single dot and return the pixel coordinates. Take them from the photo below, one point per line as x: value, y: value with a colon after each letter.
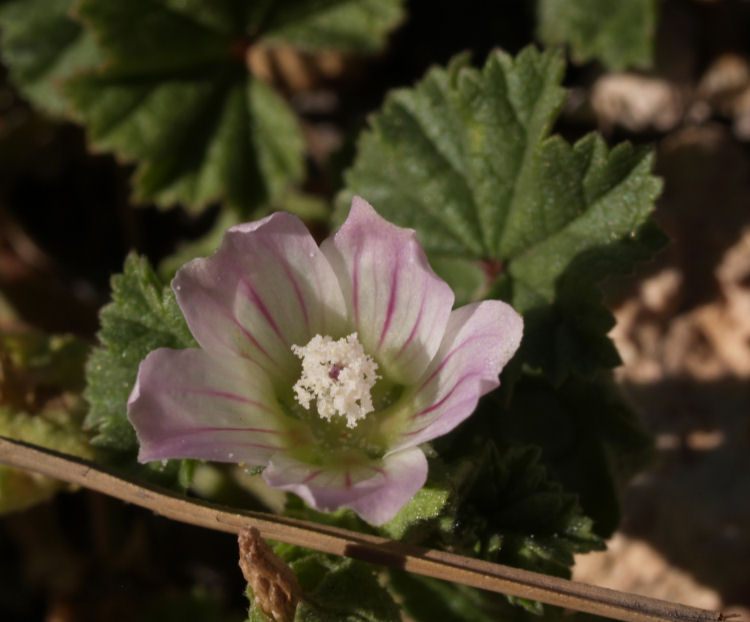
x: 338, y: 375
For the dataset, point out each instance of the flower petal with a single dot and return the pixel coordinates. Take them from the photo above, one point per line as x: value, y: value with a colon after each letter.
x: 266, y: 288
x: 187, y: 404
x: 376, y: 490
x: 479, y: 340
x: 398, y: 305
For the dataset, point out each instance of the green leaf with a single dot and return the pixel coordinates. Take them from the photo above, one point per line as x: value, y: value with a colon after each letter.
x: 41, y: 377
x: 495, y: 504
x: 510, y: 512
x: 619, y: 34
x: 334, y: 589
x: 142, y: 316
x: 466, y: 159
x: 309, y: 208
x: 420, y: 515
x: 349, y: 592
x: 452, y: 157
x: 201, y: 247
x: 174, y: 95
x: 468, y: 279
x: 425, y: 599
x: 42, y: 45
x: 200, y: 136
x: 37, y: 366
x: 592, y: 441
x: 352, y: 25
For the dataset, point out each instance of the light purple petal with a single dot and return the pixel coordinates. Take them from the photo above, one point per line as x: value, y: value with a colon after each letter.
x: 187, y: 404
x: 376, y: 490
x: 479, y: 340
x: 398, y: 305
x: 266, y: 288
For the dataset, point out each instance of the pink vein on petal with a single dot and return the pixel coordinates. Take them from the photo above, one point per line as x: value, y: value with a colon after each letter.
x: 189, y: 431
x: 391, y: 306
x: 261, y: 306
x: 423, y: 428
x: 214, y: 443
x: 442, y: 401
x: 255, y: 299
x: 247, y: 334
x: 413, y: 332
x: 225, y: 395
x: 379, y: 471
x: 355, y: 285
x: 297, y: 291
x: 290, y: 275
x: 312, y: 476
x: 446, y: 359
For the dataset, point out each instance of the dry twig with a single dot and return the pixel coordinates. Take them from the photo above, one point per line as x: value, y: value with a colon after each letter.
x: 369, y: 548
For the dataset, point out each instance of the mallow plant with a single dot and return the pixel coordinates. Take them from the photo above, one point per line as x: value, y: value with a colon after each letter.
x: 437, y: 369
x: 386, y: 364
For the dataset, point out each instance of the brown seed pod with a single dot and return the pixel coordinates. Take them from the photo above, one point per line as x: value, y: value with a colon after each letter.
x: 274, y: 584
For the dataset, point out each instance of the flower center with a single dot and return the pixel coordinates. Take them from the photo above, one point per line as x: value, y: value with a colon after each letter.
x: 338, y: 375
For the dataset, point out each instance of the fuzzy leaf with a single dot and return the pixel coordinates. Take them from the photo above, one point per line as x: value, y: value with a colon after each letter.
x: 619, y: 34
x: 142, y: 316
x: 420, y: 515
x: 512, y: 513
x: 308, y: 207
x: 42, y: 45
x: 174, y: 95
x: 200, y: 247
x: 349, y: 592
x: 335, y: 589
x: 352, y: 25
x: 502, y: 507
x: 495, y: 504
x: 211, y: 133
x: 592, y: 442
x: 466, y: 159
x: 425, y: 599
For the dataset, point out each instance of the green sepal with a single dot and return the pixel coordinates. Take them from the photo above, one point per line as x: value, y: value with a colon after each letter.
x: 421, y: 515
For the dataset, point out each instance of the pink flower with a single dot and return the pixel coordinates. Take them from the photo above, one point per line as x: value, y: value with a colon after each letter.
x: 327, y: 365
